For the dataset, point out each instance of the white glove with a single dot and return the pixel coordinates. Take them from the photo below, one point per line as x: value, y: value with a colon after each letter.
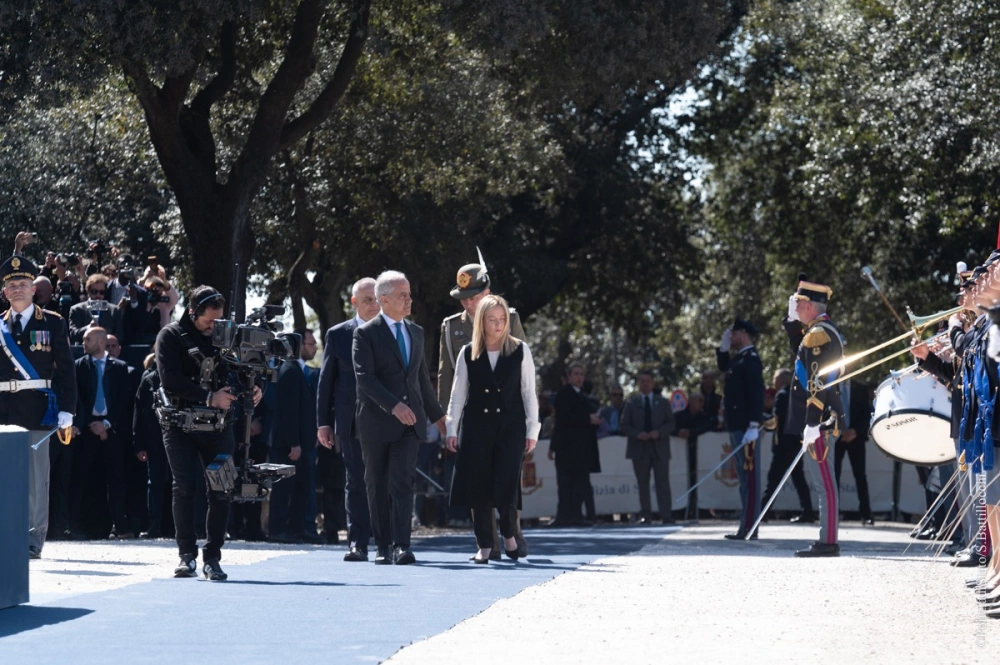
x: 792, y: 303
x: 65, y: 420
x: 752, y: 434
x: 726, y: 341
x: 993, y: 348
x: 810, y: 434
x: 955, y: 321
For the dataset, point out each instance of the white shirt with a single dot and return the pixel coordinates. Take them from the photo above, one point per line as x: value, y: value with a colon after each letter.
x: 406, y: 334
x: 460, y: 392
x: 358, y: 322
x: 25, y: 316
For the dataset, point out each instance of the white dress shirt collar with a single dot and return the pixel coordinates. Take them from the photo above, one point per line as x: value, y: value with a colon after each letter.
x: 26, y: 315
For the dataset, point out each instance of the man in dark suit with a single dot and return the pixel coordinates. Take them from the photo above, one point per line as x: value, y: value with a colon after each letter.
x: 95, y: 310
x: 574, y: 448
x: 37, y: 384
x: 395, y: 400
x: 648, y: 421
x: 103, y: 419
x: 336, y: 398
x: 291, y: 436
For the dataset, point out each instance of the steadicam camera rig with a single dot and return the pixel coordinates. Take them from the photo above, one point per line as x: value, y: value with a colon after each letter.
x: 247, y: 351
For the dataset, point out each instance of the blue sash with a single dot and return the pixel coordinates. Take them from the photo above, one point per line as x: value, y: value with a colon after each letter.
x: 28, y: 372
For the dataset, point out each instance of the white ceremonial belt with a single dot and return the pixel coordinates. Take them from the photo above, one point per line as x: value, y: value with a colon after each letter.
x: 14, y: 385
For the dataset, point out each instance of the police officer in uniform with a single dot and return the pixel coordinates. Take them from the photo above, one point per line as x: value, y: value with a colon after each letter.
x: 817, y: 343
x: 743, y: 405
x: 37, y: 384
x: 472, y: 285
x: 182, y: 349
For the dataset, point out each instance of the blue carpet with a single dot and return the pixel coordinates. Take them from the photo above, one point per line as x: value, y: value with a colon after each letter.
x: 301, y: 608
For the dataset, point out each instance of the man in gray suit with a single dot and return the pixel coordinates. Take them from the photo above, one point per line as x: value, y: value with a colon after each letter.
x: 647, y: 421
x: 395, y: 401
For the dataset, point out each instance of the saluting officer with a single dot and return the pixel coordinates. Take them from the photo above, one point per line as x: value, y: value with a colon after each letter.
x: 743, y: 405
x: 817, y: 343
x: 37, y: 384
x: 472, y: 285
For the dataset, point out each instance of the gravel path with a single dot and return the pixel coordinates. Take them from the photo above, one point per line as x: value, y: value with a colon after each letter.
x: 695, y: 598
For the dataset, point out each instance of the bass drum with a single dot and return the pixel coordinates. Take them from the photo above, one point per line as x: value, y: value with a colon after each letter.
x: 912, y: 420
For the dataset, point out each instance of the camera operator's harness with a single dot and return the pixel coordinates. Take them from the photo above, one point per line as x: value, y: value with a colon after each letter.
x: 193, y: 418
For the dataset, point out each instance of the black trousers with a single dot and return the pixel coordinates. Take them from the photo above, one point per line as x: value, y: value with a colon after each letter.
x: 359, y: 521
x: 60, y: 479
x: 290, y: 497
x: 482, y: 524
x: 90, y: 452
x: 783, y: 456
x: 389, y: 471
x: 573, y: 488
x: 188, y: 455
x: 692, y: 470
x: 855, y: 451
x: 332, y: 477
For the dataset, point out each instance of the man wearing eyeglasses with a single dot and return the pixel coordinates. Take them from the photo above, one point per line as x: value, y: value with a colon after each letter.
x: 95, y: 311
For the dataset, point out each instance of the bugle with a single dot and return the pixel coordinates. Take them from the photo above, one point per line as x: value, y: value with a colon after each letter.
x: 919, y: 323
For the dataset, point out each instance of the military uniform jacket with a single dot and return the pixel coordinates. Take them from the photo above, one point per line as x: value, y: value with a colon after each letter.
x: 456, y: 332
x: 743, y: 402
x: 51, y: 358
x: 821, y: 345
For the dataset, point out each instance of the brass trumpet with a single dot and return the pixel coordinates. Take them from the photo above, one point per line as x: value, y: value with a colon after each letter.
x: 919, y: 323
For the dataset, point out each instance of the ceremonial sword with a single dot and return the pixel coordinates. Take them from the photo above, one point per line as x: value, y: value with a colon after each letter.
x: 712, y: 472
x: 825, y: 425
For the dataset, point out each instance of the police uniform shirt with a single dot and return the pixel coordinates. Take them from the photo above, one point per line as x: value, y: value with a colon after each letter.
x: 44, y: 341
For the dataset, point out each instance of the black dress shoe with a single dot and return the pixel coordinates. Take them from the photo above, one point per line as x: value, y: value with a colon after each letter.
x: 820, y: 549
x: 382, y: 557
x: 513, y: 554
x: 356, y: 554
x: 868, y: 521
x: 402, y: 556
x: 734, y: 536
x: 34, y: 553
x: 476, y: 559
x: 927, y: 534
x: 966, y: 561
x: 804, y: 518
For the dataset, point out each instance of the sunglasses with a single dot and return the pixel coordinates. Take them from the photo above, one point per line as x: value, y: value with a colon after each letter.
x: 95, y: 292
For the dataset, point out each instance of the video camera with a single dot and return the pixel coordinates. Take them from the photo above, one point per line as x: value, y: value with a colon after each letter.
x: 252, y: 345
x: 247, y: 350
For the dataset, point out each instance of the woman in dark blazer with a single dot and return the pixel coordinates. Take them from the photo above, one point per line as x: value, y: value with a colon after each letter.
x: 493, y: 398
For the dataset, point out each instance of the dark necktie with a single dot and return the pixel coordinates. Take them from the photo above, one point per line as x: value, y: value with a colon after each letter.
x: 647, y: 417
x: 17, y: 326
x: 402, y: 344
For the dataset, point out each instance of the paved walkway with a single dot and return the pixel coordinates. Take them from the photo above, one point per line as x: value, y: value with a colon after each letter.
x: 606, y: 595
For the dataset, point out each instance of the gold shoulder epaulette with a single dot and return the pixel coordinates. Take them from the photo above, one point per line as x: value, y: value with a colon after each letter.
x: 815, y: 337
x: 48, y: 311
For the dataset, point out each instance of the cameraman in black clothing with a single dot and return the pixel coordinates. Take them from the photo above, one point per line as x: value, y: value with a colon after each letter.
x: 181, y: 378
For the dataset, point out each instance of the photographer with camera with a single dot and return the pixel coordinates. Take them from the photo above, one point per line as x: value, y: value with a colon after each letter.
x: 67, y: 284
x: 183, y: 349
x: 94, y: 311
x: 147, y: 309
